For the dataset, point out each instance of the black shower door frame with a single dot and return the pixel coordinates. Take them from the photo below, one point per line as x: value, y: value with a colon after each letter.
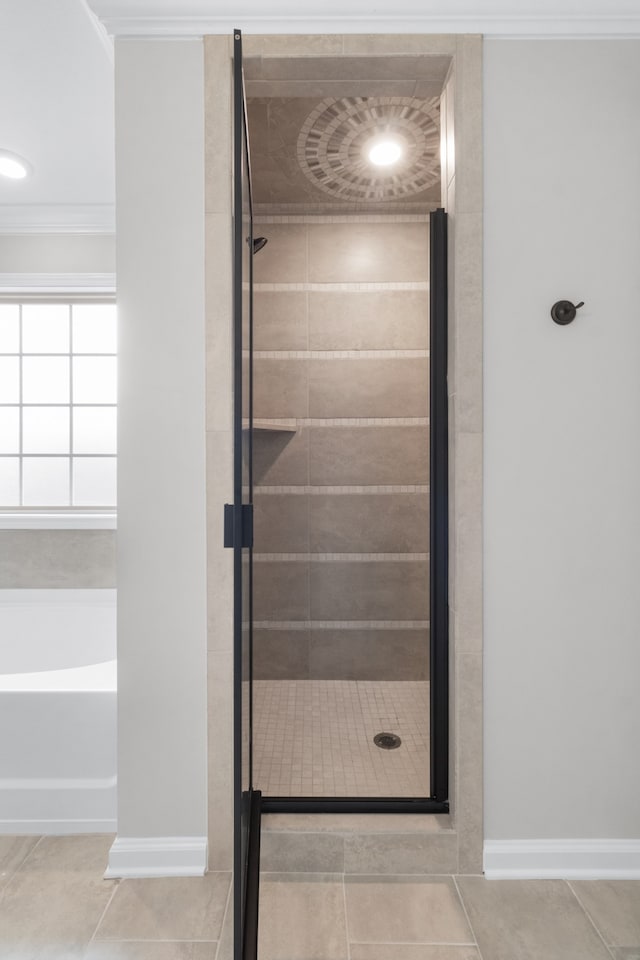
x: 438, y: 801
x: 238, y: 535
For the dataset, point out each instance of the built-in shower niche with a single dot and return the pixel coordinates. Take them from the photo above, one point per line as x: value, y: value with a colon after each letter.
x: 341, y: 540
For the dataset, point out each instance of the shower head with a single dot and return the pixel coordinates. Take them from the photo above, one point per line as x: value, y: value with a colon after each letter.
x: 259, y: 243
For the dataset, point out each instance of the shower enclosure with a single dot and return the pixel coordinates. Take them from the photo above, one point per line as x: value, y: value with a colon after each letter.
x: 340, y: 514
x: 346, y: 560
x: 341, y: 498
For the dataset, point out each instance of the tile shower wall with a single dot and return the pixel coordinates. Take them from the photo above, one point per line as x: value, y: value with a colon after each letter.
x: 341, y: 504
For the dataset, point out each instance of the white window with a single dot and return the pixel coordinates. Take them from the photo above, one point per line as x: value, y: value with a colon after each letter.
x: 58, y: 372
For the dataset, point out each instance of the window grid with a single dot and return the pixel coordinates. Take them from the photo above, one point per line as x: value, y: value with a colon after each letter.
x: 71, y: 457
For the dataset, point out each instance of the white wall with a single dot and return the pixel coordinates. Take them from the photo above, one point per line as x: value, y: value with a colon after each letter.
x: 162, y: 762
x: 562, y: 453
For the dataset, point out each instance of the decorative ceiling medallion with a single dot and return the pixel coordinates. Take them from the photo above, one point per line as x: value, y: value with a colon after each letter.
x: 334, y: 137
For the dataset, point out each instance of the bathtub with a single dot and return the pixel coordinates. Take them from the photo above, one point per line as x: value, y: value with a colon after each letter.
x: 57, y: 711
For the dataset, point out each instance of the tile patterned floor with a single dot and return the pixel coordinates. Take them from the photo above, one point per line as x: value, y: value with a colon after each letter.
x: 54, y: 905
x: 349, y: 917
x: 314, y: 738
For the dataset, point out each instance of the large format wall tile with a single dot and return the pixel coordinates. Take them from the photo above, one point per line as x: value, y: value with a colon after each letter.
x: 365, y: 252
x: 280, y: 654
x: 397, y: 387
x: 280, y: 320
x: 361, y: 590
x: 281, y: 591
x: 369, y: 455
x: 280, y: 388
x: 280, y: 458
x: 369, y: 523
x: 353, y: 68
x: 361, y: 320
x: 284, y: 259
x: 369, y: 654
x: 281, y: 523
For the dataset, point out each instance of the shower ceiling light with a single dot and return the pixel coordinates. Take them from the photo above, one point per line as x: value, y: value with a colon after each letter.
x: 337, y: 136
x: 13, y: 166
x: 384, y: 151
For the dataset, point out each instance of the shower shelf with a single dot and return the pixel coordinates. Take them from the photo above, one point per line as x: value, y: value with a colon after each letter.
x: 275, y: 426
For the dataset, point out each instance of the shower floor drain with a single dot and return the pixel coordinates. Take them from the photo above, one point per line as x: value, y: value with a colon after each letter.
x: 387, y: 741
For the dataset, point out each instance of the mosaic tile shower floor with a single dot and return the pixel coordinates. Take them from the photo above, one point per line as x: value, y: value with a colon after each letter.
x: 314, y: 738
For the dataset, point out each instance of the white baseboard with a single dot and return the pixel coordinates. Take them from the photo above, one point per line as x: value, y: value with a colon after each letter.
x: 548, y: 859
x: 157, y: 857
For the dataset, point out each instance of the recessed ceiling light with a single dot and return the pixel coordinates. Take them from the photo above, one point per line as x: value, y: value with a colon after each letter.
x: 13, y: 166
x: 384, y: 151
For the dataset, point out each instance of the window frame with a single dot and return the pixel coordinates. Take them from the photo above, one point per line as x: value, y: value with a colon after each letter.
x: 63, y: 289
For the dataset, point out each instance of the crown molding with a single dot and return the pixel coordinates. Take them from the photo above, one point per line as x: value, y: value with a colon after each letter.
x: 175, y: 19
x: 57, y: 218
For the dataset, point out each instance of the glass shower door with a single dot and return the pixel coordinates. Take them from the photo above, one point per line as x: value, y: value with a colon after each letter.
x: 239, y: 535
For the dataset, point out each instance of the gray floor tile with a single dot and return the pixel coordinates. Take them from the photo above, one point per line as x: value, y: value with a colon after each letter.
x: 52, y: 905
x: 405, y: 910
x: 176, y: 908
x: 302, y: 916
x: 614, y: 907
x: 138, y: 950
x: 529, y: 920
x: 411, y: 951
x: 626, y: 953
x: 13, y: 852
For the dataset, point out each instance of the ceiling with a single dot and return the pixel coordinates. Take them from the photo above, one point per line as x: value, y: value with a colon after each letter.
x: 56, y: 72
x: 283, y: 130
x: 317, y: 114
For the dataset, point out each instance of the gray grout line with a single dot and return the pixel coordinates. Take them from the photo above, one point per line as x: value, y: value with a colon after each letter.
x: 347, y: 421
x: 226, y: 911
x: 353, y: 490
x: 418, y: 877
x: 338, y: 354
x: 414, y: 943
x: 9, y: 879
x: 369, y: 557
x: 111, y: 942
x: 346, y: 286
x: 342, y: 624
x: 346, y: 916
x: 608, y: 947
x: 468, y: 918
x: 342, y: 218
x: 116, y: 885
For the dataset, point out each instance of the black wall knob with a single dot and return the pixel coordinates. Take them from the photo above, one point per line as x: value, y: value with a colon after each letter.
x: 564, y: 311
